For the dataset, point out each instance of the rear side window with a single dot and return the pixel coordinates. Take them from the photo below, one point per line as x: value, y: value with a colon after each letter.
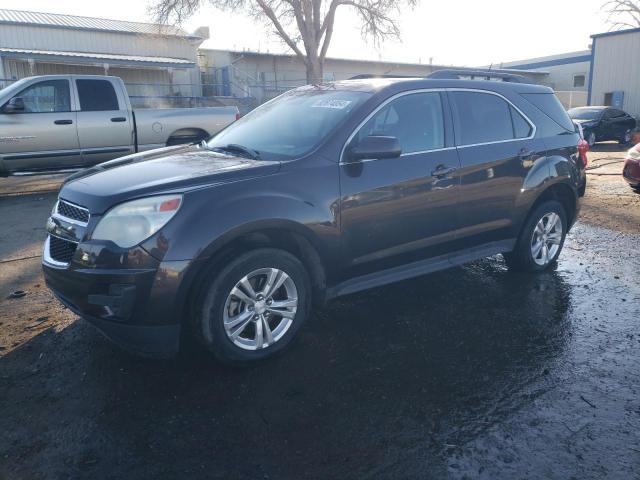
x: 415, y: 120
x: 97, y: 95
x: 521, y: 128
x: 484, y: 118
x: 549, y: 104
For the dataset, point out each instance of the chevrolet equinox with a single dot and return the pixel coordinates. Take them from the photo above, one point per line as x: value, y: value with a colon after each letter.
x: 324, y: 191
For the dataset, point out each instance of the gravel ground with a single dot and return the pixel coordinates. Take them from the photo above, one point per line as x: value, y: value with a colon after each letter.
x: 473, y: 372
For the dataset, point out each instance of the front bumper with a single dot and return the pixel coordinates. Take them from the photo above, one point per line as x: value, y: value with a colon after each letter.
x: 132, y: 298
x: 631, y: 172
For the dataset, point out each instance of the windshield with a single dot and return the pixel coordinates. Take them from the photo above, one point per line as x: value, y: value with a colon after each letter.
x: 291, y: 125
x: 585, y: 113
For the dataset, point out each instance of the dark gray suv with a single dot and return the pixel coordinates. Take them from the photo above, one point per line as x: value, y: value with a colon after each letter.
x: 324, y: 191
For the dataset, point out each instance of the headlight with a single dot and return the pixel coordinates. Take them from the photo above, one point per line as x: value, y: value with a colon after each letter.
x: 130, y: 223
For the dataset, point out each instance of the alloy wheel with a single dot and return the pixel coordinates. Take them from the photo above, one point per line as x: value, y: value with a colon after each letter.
x: 260, y: 308
x: 591, y: 139
x: 546, y: 239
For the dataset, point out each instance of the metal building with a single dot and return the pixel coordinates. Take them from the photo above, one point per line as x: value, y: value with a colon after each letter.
x: 568, y: 74
x: 615, y: 73
x: 156, y: 62
x: 262, y: 76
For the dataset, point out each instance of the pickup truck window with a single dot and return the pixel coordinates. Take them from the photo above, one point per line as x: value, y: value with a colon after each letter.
x: 415, y: 120
x: 97, y: 96
x: 46, y: 97
x: 293, y: 124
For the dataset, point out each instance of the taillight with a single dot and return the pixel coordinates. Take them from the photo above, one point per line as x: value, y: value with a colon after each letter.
x: 238, y: 116
x: 583, y: 148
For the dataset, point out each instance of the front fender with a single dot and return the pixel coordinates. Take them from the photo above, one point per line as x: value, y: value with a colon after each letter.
x: 211, y: 217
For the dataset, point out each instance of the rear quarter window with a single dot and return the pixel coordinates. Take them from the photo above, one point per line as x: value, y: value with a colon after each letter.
x: 549, y: 104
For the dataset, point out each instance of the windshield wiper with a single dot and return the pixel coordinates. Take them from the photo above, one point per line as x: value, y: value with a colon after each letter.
x: 234, y: 147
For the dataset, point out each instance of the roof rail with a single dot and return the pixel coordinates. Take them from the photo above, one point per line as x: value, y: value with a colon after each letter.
x: 364, y: 76
x: 456, y: 74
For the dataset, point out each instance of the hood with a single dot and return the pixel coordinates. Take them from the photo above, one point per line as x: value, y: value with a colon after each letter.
x: 177, y: 168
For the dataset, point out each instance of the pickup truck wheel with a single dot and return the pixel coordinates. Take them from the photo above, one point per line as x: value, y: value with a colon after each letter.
x: 541, y: 239
x: 253, y: 308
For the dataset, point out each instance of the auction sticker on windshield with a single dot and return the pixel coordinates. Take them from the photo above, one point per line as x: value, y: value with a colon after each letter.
x: 325, y: 103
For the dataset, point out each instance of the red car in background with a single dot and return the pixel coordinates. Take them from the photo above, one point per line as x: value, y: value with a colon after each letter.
x: 631, y: 170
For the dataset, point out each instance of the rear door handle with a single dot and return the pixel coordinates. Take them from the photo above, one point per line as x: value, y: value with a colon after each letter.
x: 63, y: 122
x: 441, y: 171
x: 525, y: 154
x: 118, y: 119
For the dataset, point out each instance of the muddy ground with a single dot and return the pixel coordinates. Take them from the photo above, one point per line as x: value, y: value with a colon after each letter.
x: 474, y: 372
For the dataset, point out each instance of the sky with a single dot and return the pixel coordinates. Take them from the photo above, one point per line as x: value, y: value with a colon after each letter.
x: 462, y: 32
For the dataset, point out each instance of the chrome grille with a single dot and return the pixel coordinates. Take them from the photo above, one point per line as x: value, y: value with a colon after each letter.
x: 73, y: 212
x: 61, y: 250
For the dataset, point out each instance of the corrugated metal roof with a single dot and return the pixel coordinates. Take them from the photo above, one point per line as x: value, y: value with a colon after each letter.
x: 87, y: 23
x: 100, y: 56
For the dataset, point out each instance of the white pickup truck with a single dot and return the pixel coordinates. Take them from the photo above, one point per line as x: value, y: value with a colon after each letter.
x: 60, y: 122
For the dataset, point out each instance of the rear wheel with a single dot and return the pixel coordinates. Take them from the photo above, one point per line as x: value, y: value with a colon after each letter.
x: 626, y: 138
x: 541, y: 239
x: 254, y: 307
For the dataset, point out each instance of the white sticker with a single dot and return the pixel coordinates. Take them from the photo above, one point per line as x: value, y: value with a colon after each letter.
x: 322, y: 103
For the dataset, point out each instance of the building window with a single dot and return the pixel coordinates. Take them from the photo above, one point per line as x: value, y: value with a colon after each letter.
x: 578, y: 81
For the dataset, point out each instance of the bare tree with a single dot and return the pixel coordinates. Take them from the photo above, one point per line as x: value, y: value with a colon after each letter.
x: 305, y: 26
x: 623, y: 13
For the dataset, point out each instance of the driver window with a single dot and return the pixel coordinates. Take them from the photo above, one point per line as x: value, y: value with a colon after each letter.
x: 46, y: 97
x: 415, y: 120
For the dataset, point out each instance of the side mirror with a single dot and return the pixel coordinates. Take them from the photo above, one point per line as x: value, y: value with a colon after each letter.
x: 16, y: 104
x: 377, y: 147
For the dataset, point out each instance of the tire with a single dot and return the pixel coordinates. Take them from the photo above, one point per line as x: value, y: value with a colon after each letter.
x: 626, y: 139
x: 522, y: 257
x: 219, y: 308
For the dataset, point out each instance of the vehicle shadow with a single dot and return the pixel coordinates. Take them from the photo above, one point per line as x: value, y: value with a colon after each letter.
x: 379, y: 384
x: 610, y: 147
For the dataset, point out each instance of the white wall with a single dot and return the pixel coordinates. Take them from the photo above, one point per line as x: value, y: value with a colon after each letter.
x: 72, y: 40
x: 560, y: 76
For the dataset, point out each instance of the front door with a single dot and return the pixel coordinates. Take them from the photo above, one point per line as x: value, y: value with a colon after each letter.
x: 402, y: 206
x: 105, y: 127
x: 43, y: 135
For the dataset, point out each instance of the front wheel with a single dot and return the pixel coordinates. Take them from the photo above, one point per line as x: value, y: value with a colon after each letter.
x: 541, y: 239
x: 254, y: 306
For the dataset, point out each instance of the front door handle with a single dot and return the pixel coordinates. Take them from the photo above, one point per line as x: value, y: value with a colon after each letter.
x: 441, y: 171
x: 118, y: 119
x: 63, y: 122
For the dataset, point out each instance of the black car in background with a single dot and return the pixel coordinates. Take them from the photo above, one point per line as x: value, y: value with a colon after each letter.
x: 324, y: 191
x: 601, y: 124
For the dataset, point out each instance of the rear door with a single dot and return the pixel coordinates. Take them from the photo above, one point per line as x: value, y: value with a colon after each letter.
x: 496, y: 146
x: 105, y: 126
x: 43, y: 135
x: 621, y: 123
x: 391, y: 207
